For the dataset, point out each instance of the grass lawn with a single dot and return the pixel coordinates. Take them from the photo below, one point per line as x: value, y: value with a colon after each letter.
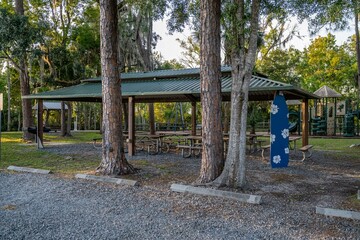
x: 14, y: 151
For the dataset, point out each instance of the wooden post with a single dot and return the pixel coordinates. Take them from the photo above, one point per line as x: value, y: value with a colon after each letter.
x: 305, y: 122
x: 131, y: 126
x: 193, y: 118
x: 151, y: 119
x: 40, y: 124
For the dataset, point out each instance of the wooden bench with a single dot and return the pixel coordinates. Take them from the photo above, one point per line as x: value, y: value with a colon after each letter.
x: 190, y: 148
x: 94, y: 142
x: 306, y: 149
x: 263, y: 148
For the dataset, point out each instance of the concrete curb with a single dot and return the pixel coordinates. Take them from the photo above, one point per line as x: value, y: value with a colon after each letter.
x: 107, y: 179
x: 254, y: 199
x: 338, y: 213
x: 30, y: 170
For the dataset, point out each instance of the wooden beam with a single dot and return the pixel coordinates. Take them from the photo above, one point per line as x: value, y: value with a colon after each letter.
x: 193, y: 118
x: 131, y: 126
x: 190, y: 97
x: 305, y: 122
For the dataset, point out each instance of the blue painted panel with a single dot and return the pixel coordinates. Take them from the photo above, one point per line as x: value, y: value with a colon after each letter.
x: 279, y: 133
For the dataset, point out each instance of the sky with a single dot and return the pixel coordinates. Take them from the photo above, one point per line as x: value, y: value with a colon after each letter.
x: 170, y: 49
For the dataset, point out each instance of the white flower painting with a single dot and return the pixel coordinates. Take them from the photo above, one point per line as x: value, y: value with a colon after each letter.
x: 274, y: 109
x: 277, y: 159
x: 286, y: 150
x: 285, y: 133
x: 272, y: 138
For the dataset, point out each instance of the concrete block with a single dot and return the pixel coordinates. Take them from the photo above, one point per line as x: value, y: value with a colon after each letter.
x: 108, y: 179
x: 338, y: 213
x: 255, y: 199
x: 30, y: 170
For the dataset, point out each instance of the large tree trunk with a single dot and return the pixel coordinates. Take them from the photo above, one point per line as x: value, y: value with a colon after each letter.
x: 357, y: 36
x: 24, y: 85
x: 8, y: 97
x: 113, y: 157
x: 243, y: 61
x: 69, y: 118
x: 210, y: 74
x: 63, y: 119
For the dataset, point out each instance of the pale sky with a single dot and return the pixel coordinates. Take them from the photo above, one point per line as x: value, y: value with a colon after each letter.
x: 170, y: 48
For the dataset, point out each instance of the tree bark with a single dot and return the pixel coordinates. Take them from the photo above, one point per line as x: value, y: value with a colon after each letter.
x: 357, y: 36
x: 210, y: 73
x: 113, y: 156
x: 8, y: 97
x: 24, y: 85
x: 243, y: 61
x: 63, y: 119
x: 69, y: 118
x: 226, y: 111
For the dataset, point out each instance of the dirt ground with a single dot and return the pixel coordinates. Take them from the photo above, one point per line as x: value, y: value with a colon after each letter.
x: 326, y: 179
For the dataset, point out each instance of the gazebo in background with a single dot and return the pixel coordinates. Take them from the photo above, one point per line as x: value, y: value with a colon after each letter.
x: 173, y: 86
x: 324, y: 121
x: 51, y: 106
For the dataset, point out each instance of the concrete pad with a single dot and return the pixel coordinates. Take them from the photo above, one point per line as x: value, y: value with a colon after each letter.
x: 255, y: 199
x: 338, y: 213
x: 108, y: 179
x: 26, y: 169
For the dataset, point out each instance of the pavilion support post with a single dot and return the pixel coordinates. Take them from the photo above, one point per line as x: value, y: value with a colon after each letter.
x: 151, y: 119
x: 131, y: 126
x: 305, y: 122
x: 193, y: 118
x: 40, y: 124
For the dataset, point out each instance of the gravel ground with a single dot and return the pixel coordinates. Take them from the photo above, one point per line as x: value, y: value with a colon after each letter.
x: 36, y: 206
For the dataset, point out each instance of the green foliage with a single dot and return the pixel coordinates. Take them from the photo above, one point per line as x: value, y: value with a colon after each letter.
x: 281, y: 65
x: 191, y: 55
x: 325, y: 63
x: 17, y: 34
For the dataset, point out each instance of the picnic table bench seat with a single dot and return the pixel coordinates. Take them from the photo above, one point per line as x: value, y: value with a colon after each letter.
x: 263, y: 148
x: 306, y: 149
x: 190, y: 149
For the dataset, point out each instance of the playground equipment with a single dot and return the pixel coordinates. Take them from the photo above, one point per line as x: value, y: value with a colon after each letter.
x: 331, y: 117
x: 324, y: 119
x: 349, y: 120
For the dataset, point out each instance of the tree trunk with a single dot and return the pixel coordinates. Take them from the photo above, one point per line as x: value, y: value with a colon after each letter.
x: 8, y: 97
x: 63, y: 119
x: 126, y: 116
x: 113, y: 156
x: 69, y: 118
x: 226, y: 111
x: 357, y: 36
x: 213, y: 151
x: 24, y: 85
x: 243, y: 61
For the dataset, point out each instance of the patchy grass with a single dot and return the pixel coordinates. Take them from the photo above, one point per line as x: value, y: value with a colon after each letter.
x: 14, y: 151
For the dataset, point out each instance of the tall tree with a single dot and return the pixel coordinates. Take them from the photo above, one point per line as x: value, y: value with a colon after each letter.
x: 212, y: 161
x: 242, y: 26
x: 336, y: 15
x: 24, y: 82
x: 113, y: 155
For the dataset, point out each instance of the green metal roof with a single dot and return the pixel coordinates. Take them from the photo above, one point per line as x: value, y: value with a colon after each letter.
x: 171, y: 85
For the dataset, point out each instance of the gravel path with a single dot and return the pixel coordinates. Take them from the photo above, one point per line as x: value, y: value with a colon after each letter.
x: 34, y: 206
